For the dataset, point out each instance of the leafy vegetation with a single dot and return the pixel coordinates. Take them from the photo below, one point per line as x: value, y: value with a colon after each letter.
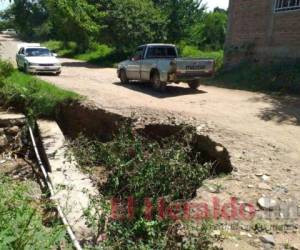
x: 21, y: 222
x: 140, y: 168
x: 281, y: 78
x: 33, y: 96
x: 99, y: 54
x: 120, y: 25
x: 145, y: 168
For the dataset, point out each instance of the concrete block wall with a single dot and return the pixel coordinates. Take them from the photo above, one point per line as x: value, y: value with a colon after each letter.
x: 270, y: 36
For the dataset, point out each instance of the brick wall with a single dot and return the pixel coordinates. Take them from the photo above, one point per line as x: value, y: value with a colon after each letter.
x: 256, y: 33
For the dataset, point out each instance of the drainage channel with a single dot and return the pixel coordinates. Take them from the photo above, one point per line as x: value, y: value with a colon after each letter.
x: 72, y: 189
x: 52, y: 194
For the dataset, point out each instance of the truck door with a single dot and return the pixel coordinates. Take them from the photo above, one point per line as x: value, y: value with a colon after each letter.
x: 133, y: 70
x: 20, y: 57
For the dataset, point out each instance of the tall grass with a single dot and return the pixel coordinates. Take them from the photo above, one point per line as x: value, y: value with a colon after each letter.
x: 280, y: 77
x: 21, y: 220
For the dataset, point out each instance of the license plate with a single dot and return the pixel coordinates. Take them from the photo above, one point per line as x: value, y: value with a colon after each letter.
x: 195, y: 67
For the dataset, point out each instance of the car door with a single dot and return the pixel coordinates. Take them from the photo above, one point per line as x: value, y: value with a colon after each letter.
x: 20, y: 58
x: 133, y: 69
x: 149, y: 62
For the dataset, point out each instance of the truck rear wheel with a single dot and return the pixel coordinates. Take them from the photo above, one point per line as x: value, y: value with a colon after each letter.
x: 194, y: 84
x: 123, y: 77
x: 157, y: 83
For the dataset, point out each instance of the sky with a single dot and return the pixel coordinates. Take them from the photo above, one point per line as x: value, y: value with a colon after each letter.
x: 210, y: 3
x: 3, y: 4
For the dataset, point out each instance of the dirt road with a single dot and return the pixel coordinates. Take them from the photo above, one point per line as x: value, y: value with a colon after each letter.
x: 261, y: 132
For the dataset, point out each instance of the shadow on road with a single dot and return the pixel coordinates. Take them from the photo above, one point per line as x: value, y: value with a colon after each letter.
x: 80, y: 64
x: 171, y: 90
x: 283, y: 110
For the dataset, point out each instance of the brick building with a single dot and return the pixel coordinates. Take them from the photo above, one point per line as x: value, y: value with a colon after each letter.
x: 263, y: 31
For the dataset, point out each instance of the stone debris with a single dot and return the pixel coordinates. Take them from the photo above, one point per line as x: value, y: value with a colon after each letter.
x: 265, y: 178
x: 3, y: 142
x: 11, y: 119
x: 267, y: 203
x: 268, y: 239
x: 264, y: 186
x: 13, y: 130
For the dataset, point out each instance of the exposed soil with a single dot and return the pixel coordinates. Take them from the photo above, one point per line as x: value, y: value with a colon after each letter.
x: 261, y: 132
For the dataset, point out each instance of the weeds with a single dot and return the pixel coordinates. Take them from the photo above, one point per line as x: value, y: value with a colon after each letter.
x: 142, y: 168
x: 281, y: 78
x: 21, y: 224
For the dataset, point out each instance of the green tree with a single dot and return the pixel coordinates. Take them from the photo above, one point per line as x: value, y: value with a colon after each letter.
x: 131, y: 22
x: 210, y: 33
x: 27, y: 17
x: 78, y: 21
x: 182, y: 15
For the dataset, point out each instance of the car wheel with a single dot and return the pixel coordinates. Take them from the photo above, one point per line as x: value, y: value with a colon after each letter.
x: 194, y: 84
x: 157, y: 83
x: 57, y: 73
x: 25, y: 68
x: 123, y: 77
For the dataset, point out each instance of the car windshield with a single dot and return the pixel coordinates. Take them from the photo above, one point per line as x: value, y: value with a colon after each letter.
x: 38, y: 52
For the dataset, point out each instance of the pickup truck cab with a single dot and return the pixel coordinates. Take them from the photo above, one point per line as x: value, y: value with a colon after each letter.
x: 160, y: 65
x: 32, y: 58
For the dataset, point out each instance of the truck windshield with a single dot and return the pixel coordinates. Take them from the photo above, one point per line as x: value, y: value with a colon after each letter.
x: 162, y: 52
x: 37, y: 52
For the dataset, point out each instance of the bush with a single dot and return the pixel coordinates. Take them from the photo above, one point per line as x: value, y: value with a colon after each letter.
x: 6, y: 69
x: 100, y: 54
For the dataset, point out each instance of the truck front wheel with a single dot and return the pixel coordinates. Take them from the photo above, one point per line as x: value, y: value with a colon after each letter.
x: 157, y: 83
x: 194, y: 84
x: 123, y: 77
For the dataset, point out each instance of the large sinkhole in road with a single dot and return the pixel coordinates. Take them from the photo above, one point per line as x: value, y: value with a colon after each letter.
x: 157, y: 160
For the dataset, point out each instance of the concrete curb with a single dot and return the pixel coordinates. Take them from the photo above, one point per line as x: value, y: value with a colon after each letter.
x: 72, y: 188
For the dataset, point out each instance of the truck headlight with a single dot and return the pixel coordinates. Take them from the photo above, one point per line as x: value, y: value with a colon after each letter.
x: 33, y: 64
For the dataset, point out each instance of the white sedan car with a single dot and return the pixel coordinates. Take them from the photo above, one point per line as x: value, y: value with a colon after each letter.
x: 36, y: 59
x: 11, y: 32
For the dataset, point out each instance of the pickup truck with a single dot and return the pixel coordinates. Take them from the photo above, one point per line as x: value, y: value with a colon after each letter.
x: 160, y: 65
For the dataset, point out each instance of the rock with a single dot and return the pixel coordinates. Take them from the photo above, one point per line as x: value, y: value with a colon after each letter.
x: 268, y: 239
x: 265, y: 178
x: 251, y: 186
x: 259, y: 174
x: 11, y: 119
x: 216, y: 233
x: 13, y: 130
x: 245, y: 234
x: 267, y: 203
x: 2, y: 161
x: 3, y: 141
x: 214, y: 189
x: 220, y: 149
x: 264, y: 186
